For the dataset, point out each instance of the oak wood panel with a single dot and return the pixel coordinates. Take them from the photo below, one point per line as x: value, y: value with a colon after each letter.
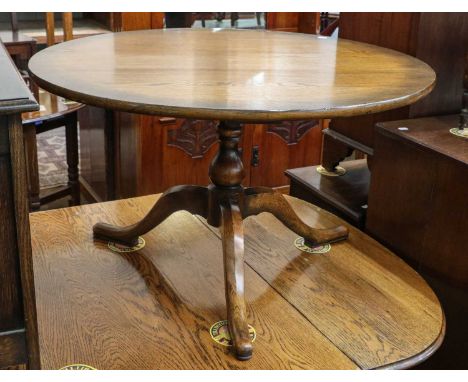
x: 367, y: 301
x: 147, y: 161
x: 286, y: 76
x: 429, y: 172
x: 276, y: 155
x: 282, y: 21
x: 303, y: 22
x: 17, y: 303
x: 153, y: 309
x: 23, y: 238
x: 446, y: 53
x: 10, y: 293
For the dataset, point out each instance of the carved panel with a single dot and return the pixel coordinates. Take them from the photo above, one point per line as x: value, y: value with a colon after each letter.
x: 195, y: 137
x: 292, y: 131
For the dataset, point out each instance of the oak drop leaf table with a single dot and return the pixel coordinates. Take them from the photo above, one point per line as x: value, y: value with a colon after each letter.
x: 233, y: 76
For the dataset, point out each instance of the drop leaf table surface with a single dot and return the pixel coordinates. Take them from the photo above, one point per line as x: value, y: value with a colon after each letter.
x: 233, y: 76
x: 356, y: 307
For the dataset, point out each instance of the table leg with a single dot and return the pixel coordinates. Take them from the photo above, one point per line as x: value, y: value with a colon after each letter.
x: 32, y: 167
x: 71, y: 137
x: 232, y: 234
x: 179, y: 198
x: 224, y: 204
x: 263, y: 199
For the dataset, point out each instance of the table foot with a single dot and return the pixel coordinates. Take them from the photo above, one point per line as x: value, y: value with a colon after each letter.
x: 262, y: 199
x: 232, y: 234
x: 180, y: 198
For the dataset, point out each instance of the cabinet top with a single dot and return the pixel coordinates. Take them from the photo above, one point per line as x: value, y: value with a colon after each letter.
x: 431, y: 134
x: 246, y: 75
x: 15, y: 96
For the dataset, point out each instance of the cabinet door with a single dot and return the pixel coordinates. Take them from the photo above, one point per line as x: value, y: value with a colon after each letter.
x: 165, y: 152
x: 278, y: 147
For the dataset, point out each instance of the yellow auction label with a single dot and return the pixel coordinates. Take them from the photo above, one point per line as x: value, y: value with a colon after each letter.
x: 219, y: 332
x: 338, y: 171
x: 300, y: 244
x: 460, y: 132
x: 77, y: 366
x: 117, y: 247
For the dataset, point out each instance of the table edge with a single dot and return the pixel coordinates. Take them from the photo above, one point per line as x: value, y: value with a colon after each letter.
x: 232, y: 114
x: 416, y: 359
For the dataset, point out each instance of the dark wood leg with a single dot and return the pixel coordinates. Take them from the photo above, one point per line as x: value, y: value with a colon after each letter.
x: 232, y: 234
x: 264, y: 199
x: 189, y: 198
x: 333, y: 153
x: 32, y: 168
x: 71, y: 136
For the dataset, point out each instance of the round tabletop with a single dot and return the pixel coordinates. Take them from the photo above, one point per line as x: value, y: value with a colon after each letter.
x: 244, y: 75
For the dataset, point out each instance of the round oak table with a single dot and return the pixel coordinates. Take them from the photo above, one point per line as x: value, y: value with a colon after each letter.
x: 233, y: 76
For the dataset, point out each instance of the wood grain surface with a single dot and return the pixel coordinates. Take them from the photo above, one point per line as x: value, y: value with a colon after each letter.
x: 52, y: 107
x: 358, y: 306
x: 231, y: 74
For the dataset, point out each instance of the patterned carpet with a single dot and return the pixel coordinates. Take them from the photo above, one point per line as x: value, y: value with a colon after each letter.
x: 52, y: 158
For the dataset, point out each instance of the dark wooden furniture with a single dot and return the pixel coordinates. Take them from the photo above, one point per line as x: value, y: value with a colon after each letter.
x: 418, y: 192
x: 356, y: 307
x: 18, y: 325
x: 407, y: 33
x: 234, y: 91
x: 345, y: 196
x: 418, y: 208
x: 21, y: 48
x: 55, y: 112
x: 127, y: 154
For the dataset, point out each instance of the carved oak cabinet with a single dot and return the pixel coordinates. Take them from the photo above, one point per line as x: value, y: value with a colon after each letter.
x: 126, y: 154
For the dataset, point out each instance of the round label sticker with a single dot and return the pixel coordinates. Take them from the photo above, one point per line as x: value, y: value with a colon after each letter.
x: 220, y: 333
x: 300, y: 244
x: 77, y: 366
x: 338, y: 171
x: 459, y: 133
x: 117, y: 247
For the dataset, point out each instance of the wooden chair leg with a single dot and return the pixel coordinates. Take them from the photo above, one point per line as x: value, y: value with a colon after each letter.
x: 262, y: 199
x: 71, y: 139
x: 193, y: 199
x: 32, y: 168
x: 50, y: 28
x: 233, y: 251
x: 67, y: 21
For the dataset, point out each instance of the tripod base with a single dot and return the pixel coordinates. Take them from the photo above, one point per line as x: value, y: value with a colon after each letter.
x: 224, y: 207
